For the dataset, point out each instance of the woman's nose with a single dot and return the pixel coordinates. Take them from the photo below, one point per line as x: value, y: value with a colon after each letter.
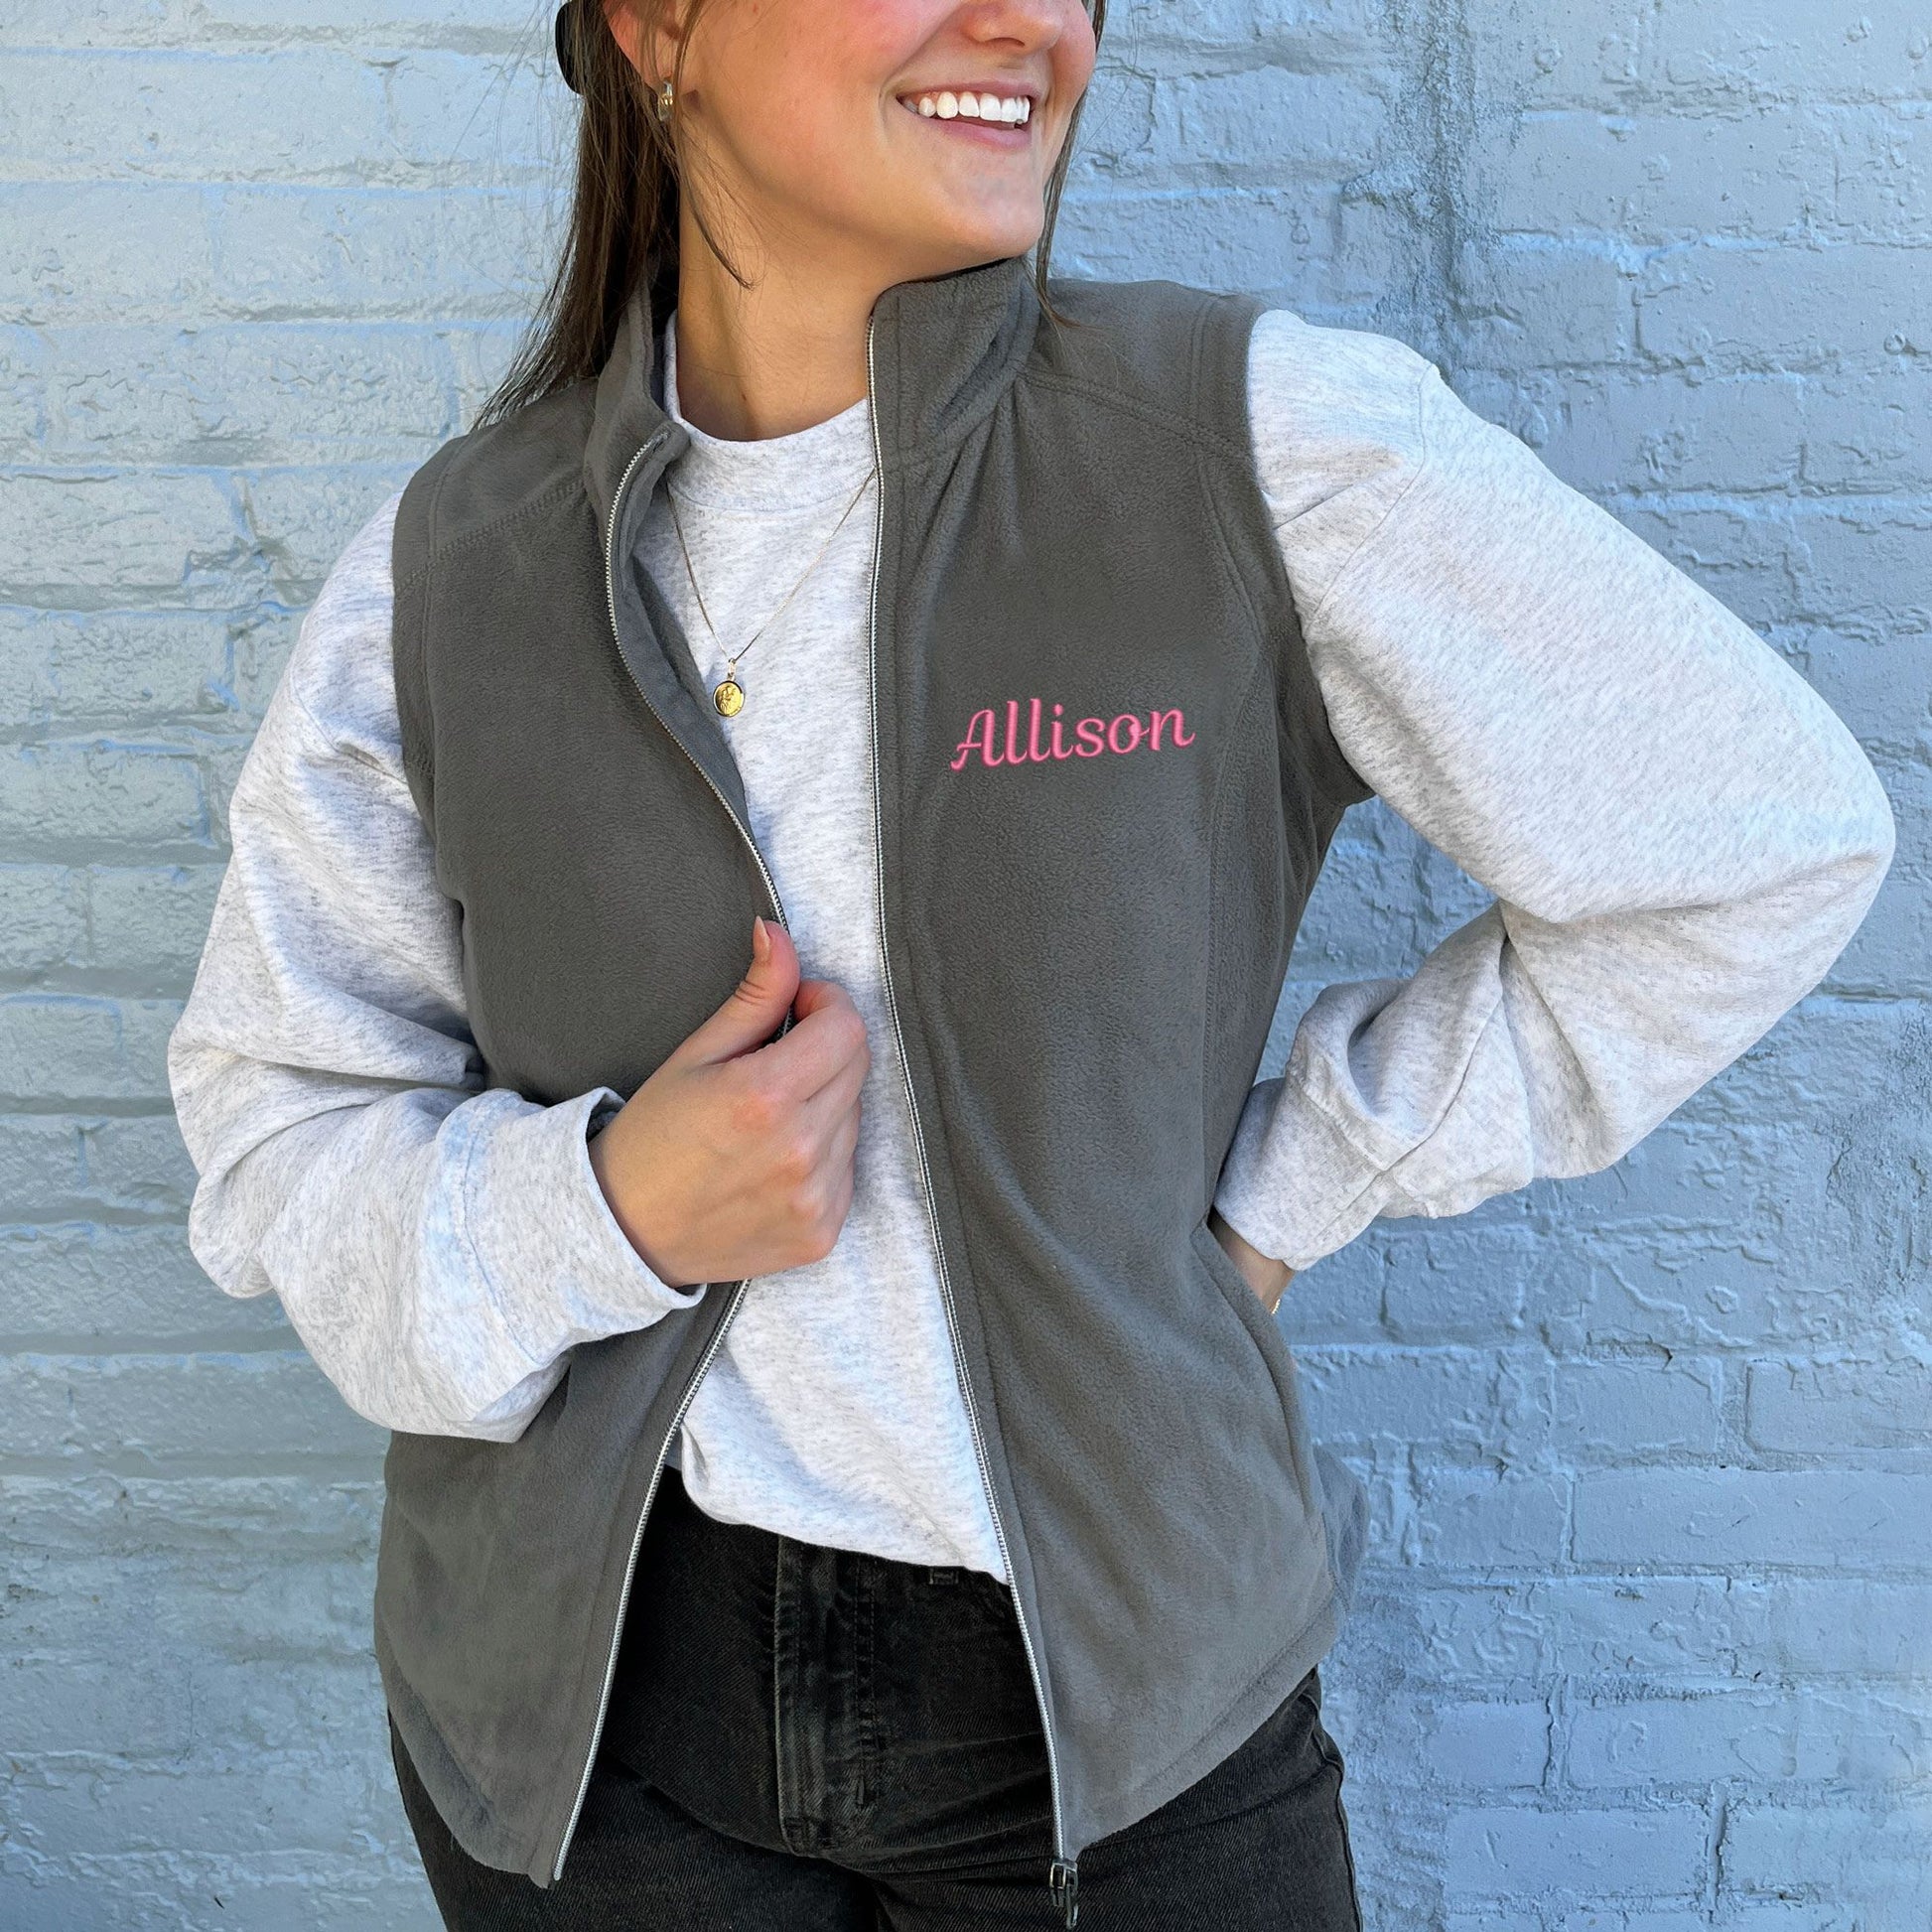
x: 1033, y: 24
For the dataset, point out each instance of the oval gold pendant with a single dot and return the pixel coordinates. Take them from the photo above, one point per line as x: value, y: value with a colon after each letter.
x: 728, y: 697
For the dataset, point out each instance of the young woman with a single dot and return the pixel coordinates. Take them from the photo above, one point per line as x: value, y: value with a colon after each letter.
x: 756, y: 909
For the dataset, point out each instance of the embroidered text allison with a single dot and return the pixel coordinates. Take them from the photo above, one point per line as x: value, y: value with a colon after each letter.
x: 1047, y: 739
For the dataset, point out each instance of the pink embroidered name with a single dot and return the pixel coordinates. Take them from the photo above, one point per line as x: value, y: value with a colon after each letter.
x: 1046, y: 738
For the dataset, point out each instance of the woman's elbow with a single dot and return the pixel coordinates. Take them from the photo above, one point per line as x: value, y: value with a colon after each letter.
x: 1853, y: 864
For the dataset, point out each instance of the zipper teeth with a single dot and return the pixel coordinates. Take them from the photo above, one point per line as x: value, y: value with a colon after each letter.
x: 737, y: 1292
x: 918, y: 1134
x: 631, y: 1573
x: 611, y: 598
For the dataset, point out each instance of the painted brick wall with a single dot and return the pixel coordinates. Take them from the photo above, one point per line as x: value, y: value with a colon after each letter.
x: 1646, y: 1643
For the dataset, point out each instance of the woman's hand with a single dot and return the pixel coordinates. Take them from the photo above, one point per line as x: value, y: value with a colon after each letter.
x: 734, y: 1158
x: 1268, y: 1277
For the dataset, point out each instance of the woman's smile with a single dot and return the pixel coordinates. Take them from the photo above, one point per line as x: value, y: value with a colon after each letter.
x: 982, y: 111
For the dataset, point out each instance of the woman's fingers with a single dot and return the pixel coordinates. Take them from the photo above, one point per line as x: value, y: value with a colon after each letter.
x: 826, y: 1039
x: 735, y: 1155
x: 754, y: 1008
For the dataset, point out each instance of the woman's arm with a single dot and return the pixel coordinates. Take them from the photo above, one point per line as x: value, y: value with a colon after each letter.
x: 437, y: 1247
x: 1680, y: 833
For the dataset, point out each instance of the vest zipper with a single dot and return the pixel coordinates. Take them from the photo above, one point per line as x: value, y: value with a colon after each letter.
x: 738, y: 1288
x: 610, y: 596
x: 1063, y: 1873
x: 629, y: 1572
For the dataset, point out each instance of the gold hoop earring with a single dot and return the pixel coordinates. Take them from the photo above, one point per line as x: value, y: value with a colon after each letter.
x: 666, y: 100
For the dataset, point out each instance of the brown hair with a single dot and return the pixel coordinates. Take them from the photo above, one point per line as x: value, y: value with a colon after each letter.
x: 624, y: 218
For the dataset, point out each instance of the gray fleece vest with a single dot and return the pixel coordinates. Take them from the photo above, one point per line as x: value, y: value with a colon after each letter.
x: 1105, y: 784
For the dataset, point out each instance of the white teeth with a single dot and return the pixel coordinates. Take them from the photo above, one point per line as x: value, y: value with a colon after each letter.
x: 947, y: 106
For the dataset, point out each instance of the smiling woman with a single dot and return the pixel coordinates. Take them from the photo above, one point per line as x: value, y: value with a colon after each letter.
x: 776, y: 1133
x: 790, y: 121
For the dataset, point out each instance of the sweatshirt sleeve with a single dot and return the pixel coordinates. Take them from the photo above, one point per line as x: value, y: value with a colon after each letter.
x: 1680, y: 835
x: 438, y: 1245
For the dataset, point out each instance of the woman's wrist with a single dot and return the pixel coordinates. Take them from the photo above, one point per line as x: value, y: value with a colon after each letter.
x: 1268, y: 1277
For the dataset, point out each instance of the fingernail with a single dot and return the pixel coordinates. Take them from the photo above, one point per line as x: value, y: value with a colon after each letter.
x: 761, y: 941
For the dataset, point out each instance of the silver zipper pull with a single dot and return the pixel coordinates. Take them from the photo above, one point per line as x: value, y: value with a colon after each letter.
x: 1063, y: 1883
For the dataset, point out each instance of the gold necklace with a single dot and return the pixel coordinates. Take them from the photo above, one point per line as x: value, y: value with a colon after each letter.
x: 727, y: 694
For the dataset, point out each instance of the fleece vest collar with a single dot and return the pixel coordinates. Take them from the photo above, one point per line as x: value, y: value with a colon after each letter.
x: 941, y: 351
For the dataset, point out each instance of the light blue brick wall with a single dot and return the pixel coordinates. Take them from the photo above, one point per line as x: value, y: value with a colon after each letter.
x: 1646, y: 1641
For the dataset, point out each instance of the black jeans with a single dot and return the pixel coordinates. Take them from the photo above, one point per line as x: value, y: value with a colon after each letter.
x: 829, y: 1741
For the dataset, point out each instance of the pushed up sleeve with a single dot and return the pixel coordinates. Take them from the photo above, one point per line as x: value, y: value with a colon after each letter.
x: 438, y: 1245
x: 1679, y: 833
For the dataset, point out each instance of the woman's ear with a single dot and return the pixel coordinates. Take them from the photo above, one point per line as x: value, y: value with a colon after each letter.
x: 649, y: 33
x: 628, y: 30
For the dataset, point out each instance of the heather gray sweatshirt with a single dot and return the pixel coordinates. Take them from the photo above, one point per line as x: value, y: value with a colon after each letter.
x: 1475, y: 627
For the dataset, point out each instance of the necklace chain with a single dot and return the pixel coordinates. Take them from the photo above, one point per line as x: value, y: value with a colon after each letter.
x: 727, y: 694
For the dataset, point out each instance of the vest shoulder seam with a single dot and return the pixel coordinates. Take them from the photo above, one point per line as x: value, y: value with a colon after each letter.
x: 1191, y: 427
x: 429, y: 477
x: 448, y: 546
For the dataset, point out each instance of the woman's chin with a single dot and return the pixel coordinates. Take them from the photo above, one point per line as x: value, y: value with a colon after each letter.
x: 968, y: 242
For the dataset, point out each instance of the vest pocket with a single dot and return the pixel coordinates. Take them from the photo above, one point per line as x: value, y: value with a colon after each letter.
x: 1232, y: 1286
